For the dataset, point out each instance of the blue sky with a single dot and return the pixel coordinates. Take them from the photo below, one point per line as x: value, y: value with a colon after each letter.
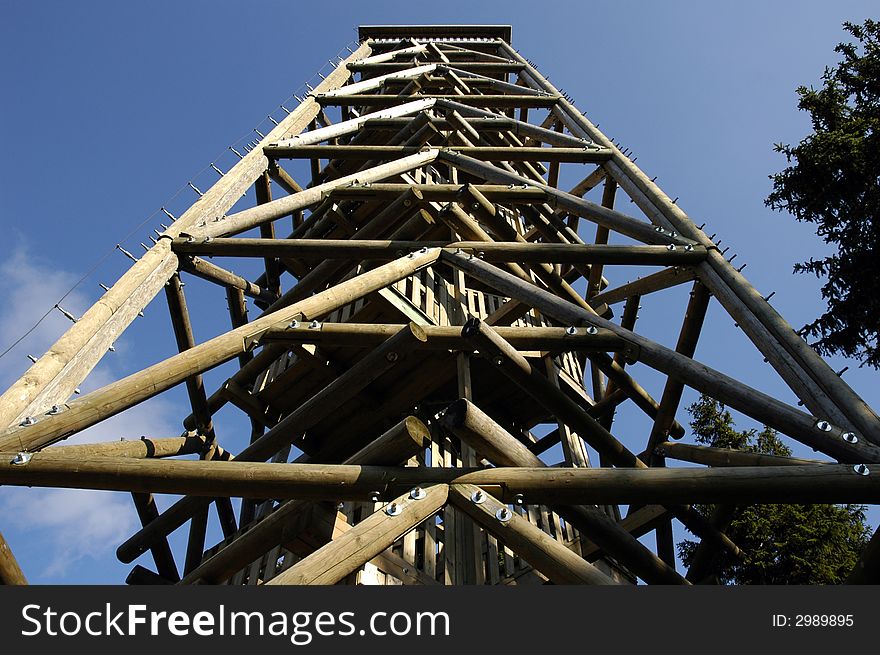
x: 110, y: 108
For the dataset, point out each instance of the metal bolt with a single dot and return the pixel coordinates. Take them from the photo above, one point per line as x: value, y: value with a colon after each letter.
x: 849, y: 437
x: 375, y: 496
x: 824, y: 426
x: 478, y: 497
x: 689, y: 248
x: 498, y: 361
x: 862, y: 469
x: 293, y: 324
x: 592, y: 330
x: 481, y: 255
x: 658, y: 229
x: 393, y: 509
x: 314, y: 325
x: 55, y: 410
x: 417, y: 494
x: 571, y: 330
x: 670, y: 247
x: 28, y: 420
x: 503, y: 515
x: 21, y: 458
x: 518, y: 499
x: 392, y: 356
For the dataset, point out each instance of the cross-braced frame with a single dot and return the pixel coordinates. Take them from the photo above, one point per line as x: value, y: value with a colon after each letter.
x: 429, y: 323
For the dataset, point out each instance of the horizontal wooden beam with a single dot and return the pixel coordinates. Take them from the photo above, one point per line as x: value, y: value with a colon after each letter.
x: 357, y: 249
x: 504, y: 101
x: 489, y: 67
x: 726, y: 457
x: 438, y: 192
x: 364, y: 335
x: 584, y: 155
x: 825, y: 483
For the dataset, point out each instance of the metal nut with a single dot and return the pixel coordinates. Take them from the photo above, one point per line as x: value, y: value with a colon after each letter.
x: 504, y: 515
x: 862, y: 469
x: 393, y: 509
x: 478, y: 497
x: 417, y: 494
x: 849, y: 437
x: 824, y: 426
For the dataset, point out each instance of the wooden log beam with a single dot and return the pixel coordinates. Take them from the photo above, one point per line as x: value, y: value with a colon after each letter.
x: 726, y: 457
x: 366, y: 540
x: 695, y: 313
x: 143, y: 448
x: 817, y: 483
x: 550, y: 339
x: 543, y: 552
x: 394, y: 447
x: 438, y: 192
x: 810, y: 430
x: 10, y: 571
x: 487, y: 100
x: 255, y: 216
x: 288, y: 430
x: 145, y: 506
x: 582, y: 155
x: 474, y: 66
x: 659, y: 281
x: 122, y: 394
x: 218, y: 275
x: 384, y: 249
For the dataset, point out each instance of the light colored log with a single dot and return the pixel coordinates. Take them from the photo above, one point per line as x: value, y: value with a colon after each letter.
x: 551, y: 339
x: 483, y: 153
x: 10, y: 571
x: 487, y: 100
x: 145, y: 447
x: 553, y: 559
x: 255, y: 216
x: 364, y: 541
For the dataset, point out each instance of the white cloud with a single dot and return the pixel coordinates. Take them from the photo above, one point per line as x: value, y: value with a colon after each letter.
x: 70, y: 526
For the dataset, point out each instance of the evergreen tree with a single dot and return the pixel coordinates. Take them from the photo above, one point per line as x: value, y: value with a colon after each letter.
x: 783, y: 544
x: 833, y: 182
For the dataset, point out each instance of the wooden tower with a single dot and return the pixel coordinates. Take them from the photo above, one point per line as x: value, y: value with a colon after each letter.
x: 433, y: 319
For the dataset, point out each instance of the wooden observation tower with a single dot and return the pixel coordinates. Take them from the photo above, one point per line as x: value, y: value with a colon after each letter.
x: 436, y: 352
